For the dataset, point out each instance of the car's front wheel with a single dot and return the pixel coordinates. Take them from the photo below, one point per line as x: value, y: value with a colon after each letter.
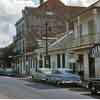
x: 58, y: 83
x: 93, y: 90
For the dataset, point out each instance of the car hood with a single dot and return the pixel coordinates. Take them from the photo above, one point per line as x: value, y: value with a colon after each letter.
x: 69, y: 76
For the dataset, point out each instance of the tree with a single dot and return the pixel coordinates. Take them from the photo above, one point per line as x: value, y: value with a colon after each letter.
x: 8, y: 54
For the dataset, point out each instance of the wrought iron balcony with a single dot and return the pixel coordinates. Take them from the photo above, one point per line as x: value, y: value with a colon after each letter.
x: 85, y: 40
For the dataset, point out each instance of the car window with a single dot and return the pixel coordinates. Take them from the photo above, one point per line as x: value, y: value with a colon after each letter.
x: 57, y: 72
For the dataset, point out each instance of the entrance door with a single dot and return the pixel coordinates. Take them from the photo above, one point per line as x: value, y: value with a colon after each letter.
x: 91, y: 67
x: 81, y: 71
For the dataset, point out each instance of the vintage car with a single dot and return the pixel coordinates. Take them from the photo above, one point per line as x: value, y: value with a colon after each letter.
x: 41, y: 75
x: 64, y: 77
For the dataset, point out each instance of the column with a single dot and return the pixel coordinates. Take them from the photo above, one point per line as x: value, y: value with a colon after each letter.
x: 25, y: 62
x: 22, y: 66
x: 66, y: 60
x: 43, y: 61
x: 67, y: 28
x: 86, y: 66
x: 32, y: 62
x: 17, y: 65
x: 38, y: 61
x: 54, y: 61
x: 61, y: 61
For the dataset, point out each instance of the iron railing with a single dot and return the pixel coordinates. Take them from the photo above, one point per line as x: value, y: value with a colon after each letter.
x: 88, y: 39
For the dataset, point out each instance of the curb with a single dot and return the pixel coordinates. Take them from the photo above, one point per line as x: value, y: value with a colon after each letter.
x: 24, y: 78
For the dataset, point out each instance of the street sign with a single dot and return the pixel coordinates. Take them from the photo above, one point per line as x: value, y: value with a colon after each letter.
x: 95, y: 51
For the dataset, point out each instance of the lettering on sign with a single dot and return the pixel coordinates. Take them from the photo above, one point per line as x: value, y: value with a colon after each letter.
x: 95, y: 51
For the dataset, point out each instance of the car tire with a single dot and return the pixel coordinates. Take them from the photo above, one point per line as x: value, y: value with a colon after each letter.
x: 58, y: 83
x: 93, y: 90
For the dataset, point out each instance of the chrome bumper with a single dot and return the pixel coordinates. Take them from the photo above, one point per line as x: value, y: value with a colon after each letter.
x: 71, y: 82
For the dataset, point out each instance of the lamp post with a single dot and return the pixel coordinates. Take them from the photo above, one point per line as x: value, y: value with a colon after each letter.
x: 48, y: 13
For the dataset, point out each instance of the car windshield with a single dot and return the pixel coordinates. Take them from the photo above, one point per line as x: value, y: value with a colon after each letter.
x: 68, y: 71
x: 57, y: 72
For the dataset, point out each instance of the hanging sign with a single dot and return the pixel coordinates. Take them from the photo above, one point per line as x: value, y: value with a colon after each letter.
x: 95, y: 51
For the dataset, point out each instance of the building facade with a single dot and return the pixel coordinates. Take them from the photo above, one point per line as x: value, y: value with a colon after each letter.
x: 31, y: 28
x: 73, y: 50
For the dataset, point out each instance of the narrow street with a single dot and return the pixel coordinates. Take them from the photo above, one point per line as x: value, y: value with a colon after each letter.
x: 12, y: 88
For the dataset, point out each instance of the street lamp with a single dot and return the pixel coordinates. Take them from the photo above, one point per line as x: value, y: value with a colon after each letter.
x: 48, y: 13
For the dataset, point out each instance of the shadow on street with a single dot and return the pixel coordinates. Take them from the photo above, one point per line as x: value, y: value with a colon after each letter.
x: 96, y: 96
x: 85, y: 92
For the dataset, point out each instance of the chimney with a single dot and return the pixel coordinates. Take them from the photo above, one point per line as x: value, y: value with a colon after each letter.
x: 52, y: 2
x: 41, y: 2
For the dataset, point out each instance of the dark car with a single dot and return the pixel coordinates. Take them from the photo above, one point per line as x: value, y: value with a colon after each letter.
x: 94, y: 85
x: 2, y: 72
x: 10, y: 73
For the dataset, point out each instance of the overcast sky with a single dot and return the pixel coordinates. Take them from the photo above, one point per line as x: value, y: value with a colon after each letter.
x: 10, y: 12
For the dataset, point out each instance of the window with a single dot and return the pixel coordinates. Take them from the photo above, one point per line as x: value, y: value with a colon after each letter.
x: 58, y: 60
x: 63, y: 60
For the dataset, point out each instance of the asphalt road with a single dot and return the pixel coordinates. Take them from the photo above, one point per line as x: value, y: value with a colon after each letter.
x: 11, y: 88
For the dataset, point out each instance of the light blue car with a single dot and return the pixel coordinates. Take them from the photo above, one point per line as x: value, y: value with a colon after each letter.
x: 64, y: 77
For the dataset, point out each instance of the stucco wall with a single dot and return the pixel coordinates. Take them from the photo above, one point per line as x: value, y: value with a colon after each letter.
x: 97, y: 67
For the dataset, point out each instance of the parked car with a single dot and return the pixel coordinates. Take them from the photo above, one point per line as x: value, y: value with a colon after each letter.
x: 40, y: 74
x: 2, y: 72
x: 11, y: 73
x: 64, y: 77
x: 94, y: 85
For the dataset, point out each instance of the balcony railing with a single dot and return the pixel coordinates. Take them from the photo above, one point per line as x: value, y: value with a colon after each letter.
x: 88, y: 39
x: 84, y: 40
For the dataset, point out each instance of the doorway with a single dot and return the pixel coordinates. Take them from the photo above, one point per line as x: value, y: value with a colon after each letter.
x: 81, y: 66
x: 91, y: 67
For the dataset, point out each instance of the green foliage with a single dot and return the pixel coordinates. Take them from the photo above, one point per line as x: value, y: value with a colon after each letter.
x: 93, y: 33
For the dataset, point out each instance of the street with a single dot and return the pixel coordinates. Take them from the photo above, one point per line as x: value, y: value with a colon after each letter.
x: 12, y: 88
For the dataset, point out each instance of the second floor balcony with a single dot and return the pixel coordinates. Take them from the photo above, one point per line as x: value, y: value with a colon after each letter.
x: 85, y: 40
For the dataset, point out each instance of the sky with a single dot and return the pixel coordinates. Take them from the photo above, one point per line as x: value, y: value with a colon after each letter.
x: 10, y: 12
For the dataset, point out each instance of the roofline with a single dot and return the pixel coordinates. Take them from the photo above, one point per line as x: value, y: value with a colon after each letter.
x: 87, y: 9
x: 63, y: 4
x: 22, y: 18
x: 90, y: 7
